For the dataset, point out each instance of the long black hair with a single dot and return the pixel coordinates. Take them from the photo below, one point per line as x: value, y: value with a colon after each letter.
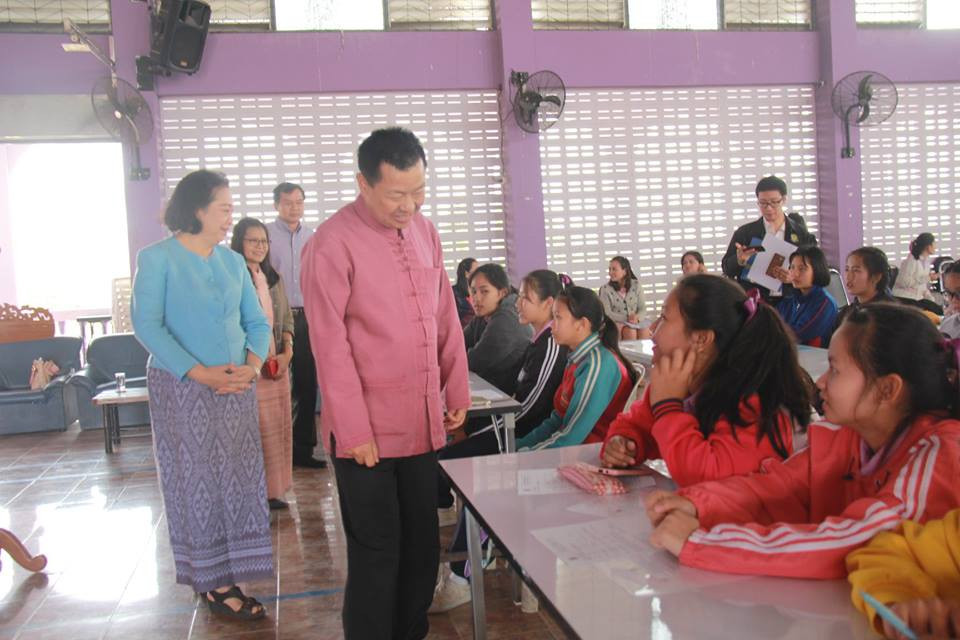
x: 495, y: 275
x: 236, y: 243
x: 584, y: 303
x: 919, y: 244
x: 754, y: 355
x: 462, y: 285
x: 875, y: 262
x: 888, y: 338
x: 625, y: 265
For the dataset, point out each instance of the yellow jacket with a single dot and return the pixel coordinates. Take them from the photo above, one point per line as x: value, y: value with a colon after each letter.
x: 914, y: 561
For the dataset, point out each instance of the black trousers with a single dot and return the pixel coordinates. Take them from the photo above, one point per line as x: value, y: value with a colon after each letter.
x: 393, y: 548
x: 304, y: 389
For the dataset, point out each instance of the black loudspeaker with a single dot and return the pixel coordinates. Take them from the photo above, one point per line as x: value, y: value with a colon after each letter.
x: 179, y: 33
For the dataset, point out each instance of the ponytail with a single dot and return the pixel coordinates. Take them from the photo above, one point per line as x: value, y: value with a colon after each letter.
x: 919, y: 244
x: 755, y: 354
x: 546, y: 283
x: 584, y: 303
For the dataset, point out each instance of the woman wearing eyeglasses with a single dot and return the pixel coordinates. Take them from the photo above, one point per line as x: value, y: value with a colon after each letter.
x: 772, y: 202
x: 250, y: 240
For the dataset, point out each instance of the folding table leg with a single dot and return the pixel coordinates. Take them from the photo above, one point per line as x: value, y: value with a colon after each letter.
x: 474, y: 553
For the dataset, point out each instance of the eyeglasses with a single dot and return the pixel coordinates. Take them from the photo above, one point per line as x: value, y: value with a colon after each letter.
x: 772, y: 204
x: 951, y: 295
x: 257, y: 241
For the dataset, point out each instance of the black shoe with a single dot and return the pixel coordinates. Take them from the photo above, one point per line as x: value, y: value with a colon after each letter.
x: 310, y: 463
x: 277, y: 503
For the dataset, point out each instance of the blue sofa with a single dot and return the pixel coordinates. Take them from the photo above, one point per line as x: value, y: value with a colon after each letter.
x: 23, y: 410
x: 106, y: 356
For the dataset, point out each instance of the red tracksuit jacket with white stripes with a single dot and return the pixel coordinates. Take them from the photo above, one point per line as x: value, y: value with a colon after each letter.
x: 799, y: 517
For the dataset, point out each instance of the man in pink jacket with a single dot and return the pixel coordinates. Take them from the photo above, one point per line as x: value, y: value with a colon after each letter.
x: 392, y: 369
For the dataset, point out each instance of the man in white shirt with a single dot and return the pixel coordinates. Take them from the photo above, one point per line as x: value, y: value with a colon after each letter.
x: 772, y: 201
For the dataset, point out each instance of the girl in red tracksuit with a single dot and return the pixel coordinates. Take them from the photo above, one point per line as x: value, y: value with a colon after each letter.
x: 890, y: 452
x: 725, y: 392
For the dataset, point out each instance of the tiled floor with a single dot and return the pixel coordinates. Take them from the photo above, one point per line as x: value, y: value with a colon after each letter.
x: 99, y: 520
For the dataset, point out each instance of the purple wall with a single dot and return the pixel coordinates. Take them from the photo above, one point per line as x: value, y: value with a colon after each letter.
x: 318, y: 62
x: 676, y: 58
x: 377, y: 61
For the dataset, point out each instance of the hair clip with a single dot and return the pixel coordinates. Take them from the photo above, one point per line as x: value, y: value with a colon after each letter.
x: 752, y: 303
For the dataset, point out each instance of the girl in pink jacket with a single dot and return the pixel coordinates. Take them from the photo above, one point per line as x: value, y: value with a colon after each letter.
x: 890, y: 451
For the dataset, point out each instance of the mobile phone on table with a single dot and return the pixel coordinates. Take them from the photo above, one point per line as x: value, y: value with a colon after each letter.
x: 638, y: 470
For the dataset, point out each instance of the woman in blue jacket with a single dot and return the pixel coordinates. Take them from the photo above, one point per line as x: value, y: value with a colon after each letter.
x: 196, y: 311
x: 811, y: 311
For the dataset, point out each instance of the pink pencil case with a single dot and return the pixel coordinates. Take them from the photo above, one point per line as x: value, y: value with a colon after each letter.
x: 583, y: 476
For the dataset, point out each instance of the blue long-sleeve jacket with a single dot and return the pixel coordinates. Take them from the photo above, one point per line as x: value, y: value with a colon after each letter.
x: 188, y: 310
x: 811, y: 316
x: 586, y: 402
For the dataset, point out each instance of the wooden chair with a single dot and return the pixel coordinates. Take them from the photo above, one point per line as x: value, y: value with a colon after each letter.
x: 122, y: 290
x: 12, y: 545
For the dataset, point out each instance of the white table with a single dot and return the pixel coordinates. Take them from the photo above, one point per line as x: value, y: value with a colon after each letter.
x: 110, y: 402
x: 490, y: 401
x: 620, y: 587
x: 638, y: 351
x: 812, y: 359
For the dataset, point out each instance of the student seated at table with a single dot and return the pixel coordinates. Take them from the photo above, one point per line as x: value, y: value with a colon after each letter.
x: 597, y: 379
x: 950, y: 325
x: 867, y: 278
x: 692, y: 262
x: 913, y: 281
x: 915, y: 571
x: 495, y: 339
x: 461, y: 290
x: 811, y: 311
x: 540, y: 375
x: 596, y: 383
x: 888, y: 451
x: 622, y: 298
x: 704, y: 412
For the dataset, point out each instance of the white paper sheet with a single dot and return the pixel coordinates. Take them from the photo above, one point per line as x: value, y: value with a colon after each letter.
x: 487, y: 394
x: 621, y: 539
x: 620, y: 547
x: 773, y: 246
x: 541, y: 482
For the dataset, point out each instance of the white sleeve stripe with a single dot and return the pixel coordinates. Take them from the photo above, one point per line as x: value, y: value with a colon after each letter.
x: 819, y: 539
x: 786, y: 534
x: 891, y: 522
x: 593, y: 372
x: 546, y: 369
x: 833, y: 534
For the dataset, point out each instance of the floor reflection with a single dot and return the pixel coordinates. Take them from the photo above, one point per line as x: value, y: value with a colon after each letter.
x: 99, y: 520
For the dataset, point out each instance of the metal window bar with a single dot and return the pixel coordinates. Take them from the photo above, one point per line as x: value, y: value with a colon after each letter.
x: 891, y: 13
x: 579, y: 14
x: 766, y: 15
x: 437, y: 15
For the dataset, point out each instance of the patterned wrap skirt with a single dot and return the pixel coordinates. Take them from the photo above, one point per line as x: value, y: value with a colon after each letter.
x: 276, y: 433
x: 210, y: 464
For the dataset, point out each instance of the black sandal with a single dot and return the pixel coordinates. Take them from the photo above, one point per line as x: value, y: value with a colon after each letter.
x: 247, y: 611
